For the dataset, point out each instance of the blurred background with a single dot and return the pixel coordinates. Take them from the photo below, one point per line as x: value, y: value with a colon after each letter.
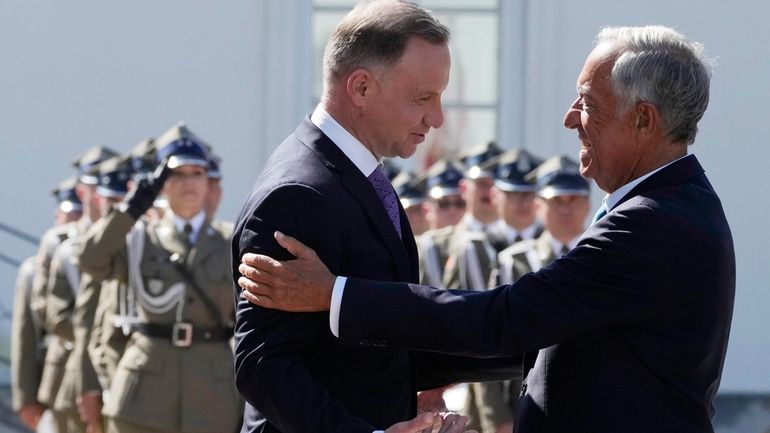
x: 243, y: 73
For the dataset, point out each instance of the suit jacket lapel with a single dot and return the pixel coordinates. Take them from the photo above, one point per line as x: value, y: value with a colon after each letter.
x: 360, y: 188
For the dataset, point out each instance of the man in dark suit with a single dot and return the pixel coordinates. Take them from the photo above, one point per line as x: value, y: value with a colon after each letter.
x: 632, y: 324
x: 385, y: 68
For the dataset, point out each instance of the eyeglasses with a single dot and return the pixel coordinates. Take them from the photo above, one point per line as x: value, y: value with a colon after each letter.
x: 448, y: 203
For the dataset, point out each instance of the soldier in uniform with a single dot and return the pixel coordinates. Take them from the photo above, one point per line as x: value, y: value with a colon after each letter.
x: 58, y: 349
x: 481, y: 213
x: 490, y: 408
x: 71, y: 310
x: 515, y: 199
x: 445, y: 208
x: 27, y: 334
x: 176, y: 373
x: 108, y: 333
x: 563, y: 204
x: 69, y: 207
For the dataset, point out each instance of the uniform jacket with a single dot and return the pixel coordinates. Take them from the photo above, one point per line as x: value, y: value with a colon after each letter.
x: 291, y: 370
x: 26, y: 341
x: 632, y: 324
x: 433, y: 248
x: 524, y: 257
x: 156, y: 384
x: 60, y: 281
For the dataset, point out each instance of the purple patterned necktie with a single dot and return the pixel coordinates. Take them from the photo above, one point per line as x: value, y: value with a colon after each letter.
x: 387, y: 196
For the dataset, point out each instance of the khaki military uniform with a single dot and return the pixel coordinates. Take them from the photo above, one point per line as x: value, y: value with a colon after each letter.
x: 26, y: 341
x: 433, y: 252
x: 496, y: 401
x: 524, y: 257
x: 110, y: 331
x: 63, y: 286
x: 471, y: 259
x: 488, y: 404
x: 176, y: 374
x: 53, y: 298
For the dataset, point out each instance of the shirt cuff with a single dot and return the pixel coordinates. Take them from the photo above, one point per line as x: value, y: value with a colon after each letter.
x: 336, y: 304
x: 379, y: 431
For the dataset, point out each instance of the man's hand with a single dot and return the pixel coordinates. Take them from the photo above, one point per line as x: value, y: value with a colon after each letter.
x: 301, y: 285
x: 30, y: 414
x: 432, y: 423
x: 141, y: 198
x: 432, y: 400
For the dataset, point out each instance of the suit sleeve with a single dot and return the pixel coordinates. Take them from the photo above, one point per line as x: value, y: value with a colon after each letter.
x: 615, y: 275
x: 272, y: 347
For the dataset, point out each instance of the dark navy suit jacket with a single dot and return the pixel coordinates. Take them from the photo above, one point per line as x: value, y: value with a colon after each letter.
x: 632, y: 325
x: 293, y: 373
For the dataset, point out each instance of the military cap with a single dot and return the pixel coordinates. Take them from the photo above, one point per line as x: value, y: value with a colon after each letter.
x: 65, y: 195
x: 114, y: 174
x: 443, y: 179
x: 410, y: 188
x: 214, y: 162
x: 510, y: 169
x: 143, y: 158
x: 557, y: 176
x: 180, y: 147
x: 474, y: 158
x: 87, y: 162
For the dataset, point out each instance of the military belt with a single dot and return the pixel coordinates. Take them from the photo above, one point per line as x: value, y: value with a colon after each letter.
x: 183, y: 334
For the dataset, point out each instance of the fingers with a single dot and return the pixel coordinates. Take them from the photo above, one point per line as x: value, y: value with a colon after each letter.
x: 418, y: 424
x: 261, y: 300
x: 260, y: 262
x: 292, y: 245
x: 453, y: 423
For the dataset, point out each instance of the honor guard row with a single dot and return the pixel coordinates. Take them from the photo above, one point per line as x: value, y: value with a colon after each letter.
x: 124, y: 321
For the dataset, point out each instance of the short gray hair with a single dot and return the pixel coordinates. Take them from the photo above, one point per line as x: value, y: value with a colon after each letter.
x: 659, y: 65
x: 375, y: 34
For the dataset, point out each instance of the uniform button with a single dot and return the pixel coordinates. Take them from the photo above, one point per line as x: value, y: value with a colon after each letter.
x: 138, y: 362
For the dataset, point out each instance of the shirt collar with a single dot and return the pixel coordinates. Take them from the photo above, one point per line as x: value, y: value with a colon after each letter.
x: 510, y: 232
x: 195, y: 222
x: 475, y: 225
x: 556, y: 246
x: 348, y: 144
x: 611, y: 200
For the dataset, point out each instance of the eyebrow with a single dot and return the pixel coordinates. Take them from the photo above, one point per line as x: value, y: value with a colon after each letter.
x: 583, y: 89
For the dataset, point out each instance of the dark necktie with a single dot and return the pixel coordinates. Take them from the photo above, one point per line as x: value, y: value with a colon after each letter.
x: 564, y: 249
x: 387, y: 196
x: 599, y: 214
x: 187, y: 234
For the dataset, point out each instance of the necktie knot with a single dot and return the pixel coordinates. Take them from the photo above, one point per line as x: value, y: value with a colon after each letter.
x: 387, y: 196
x: 600, y: 213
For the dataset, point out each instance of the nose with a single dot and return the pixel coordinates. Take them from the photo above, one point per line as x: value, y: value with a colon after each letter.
x: 434, y: 115
x: 572, y: 116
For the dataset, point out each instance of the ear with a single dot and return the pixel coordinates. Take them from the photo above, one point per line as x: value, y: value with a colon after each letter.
x: 360, y: 86
x: 648, y: 119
